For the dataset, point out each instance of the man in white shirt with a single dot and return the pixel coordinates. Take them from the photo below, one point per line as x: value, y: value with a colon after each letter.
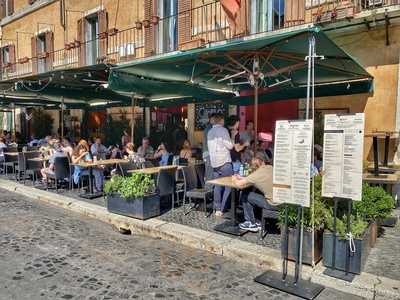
x: 219, y: 145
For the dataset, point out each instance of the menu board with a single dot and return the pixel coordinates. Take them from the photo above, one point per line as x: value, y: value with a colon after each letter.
x: 292, y: 162
x: 343, y: 155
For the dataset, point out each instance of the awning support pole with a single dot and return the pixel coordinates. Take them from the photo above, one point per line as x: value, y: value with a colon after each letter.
x: 14, y: 131
x: 133, y: 105
x: 62, y: 117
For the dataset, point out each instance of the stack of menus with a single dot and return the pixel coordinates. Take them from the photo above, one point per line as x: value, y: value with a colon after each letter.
x: 343, y: 156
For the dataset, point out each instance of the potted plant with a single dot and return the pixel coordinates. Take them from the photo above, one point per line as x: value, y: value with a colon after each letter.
x: 312, y: 253
x: 375, y: 207
x: 132, y: 196
x: 336, y: 246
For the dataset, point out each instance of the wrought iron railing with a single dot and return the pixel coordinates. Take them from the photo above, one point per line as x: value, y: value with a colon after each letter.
x: 202, y: 24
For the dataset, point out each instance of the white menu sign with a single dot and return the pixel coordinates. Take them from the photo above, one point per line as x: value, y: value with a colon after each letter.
x: 292, y: 161
x: 343, y: 156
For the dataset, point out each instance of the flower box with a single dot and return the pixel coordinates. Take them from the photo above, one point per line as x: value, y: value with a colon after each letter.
x: 356, y: 260
x: 141, y: 208
x: 112, y: 31
x: 308, y: 257
x: 146, y: 23
x: 138, y: 25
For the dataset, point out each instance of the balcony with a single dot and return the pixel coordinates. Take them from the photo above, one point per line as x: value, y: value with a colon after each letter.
x: 190, y: 29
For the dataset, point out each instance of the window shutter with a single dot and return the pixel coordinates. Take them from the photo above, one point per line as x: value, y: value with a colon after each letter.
x: 243, y: 18
x: 103, y: 29
x: 11, y: 53
x: 34, y: 55
x: 150, y: 10
x: 184, y: 21
x: 2, y: 8
x: 10, y: 7
x: 49, y: 38
x: 1, y: 63
x: 294, y: 12
x: 81, y: 39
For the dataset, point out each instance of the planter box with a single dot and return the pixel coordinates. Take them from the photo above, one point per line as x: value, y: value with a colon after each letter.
x: 388, y: 222
x: 357, y: 260
x: 307, y: 257
x: 139, y: 208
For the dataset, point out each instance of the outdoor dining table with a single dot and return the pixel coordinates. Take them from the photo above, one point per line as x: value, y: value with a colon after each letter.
x: 230, y: 226
x: 152, y: 170
x: 90, y: 165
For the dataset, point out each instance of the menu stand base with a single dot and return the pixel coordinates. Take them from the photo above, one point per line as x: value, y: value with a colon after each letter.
x: 230, y: 228
x: 91, y: 195
x: 303, y: 289
x: 339, y: 274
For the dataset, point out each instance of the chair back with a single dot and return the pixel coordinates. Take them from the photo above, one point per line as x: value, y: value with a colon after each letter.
x: 170, y: 159
x: 189, y: 177
x: 166, y: 181
x: 61, y: 167
x: 33, y: 148
x: 200, y: 172
x: 147, y: 164
x: 183, y: 162
x: 125, y: 167
x: 21, y: 162
x: 31, y: 154
x: 10, y: 158
x: 11, y: 149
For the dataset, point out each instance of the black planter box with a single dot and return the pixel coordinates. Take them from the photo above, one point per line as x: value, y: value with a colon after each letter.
x: 357, y: 259
x: 139, y: 208
x: 307, y: 258
x: 388, y: 222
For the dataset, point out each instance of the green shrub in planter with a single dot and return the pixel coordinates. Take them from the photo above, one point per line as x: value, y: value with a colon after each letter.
x: 376, y: 204
x: 135, y: 186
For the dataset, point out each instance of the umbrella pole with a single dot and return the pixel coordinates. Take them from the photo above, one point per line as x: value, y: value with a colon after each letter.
x: 62, y: 118
x: 133, y: 118
x: 14, y: 134
x: 255, y: 115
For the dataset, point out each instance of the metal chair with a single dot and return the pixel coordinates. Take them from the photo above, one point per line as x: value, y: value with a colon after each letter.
x: 166, y: 183
x: 10, y: 161
x: 267, y: 214
x: 192, y: 190
x: 61, y: 172
x: 20, y: 167
x: 32, y: 168
x: 125, y: 167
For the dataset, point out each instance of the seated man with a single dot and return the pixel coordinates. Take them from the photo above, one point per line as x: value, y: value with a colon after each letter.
x: 98, y: 149
x: 261, y: 179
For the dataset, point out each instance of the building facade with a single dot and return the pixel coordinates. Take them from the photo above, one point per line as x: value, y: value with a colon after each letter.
x: 42, y: 36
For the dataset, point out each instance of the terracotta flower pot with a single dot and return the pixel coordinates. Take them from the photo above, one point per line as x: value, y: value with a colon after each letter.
x: 155, y: 20
x: 146, y: 23
x: 138, y: 25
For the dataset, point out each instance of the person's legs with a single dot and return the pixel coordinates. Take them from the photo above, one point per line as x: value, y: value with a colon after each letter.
x: 217, y: 193
x: 226, y: 170
x: 248, y: 209
x: 259, y: 200
x: 98, y: 179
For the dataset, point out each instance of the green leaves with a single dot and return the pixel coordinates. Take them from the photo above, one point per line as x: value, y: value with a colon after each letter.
x: 135, y: 186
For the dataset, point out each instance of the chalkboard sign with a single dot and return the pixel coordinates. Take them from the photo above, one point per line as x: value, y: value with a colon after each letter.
x: 202, y: 111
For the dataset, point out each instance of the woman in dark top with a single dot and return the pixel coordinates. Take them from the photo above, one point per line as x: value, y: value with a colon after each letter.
x: 233, y: 126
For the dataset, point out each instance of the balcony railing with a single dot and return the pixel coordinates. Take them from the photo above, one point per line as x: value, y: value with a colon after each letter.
x: 201, y: 25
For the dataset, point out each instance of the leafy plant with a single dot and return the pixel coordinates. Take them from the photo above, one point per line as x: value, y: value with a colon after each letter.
x: 134, y: 186
x: 357, y: 226
x: 320, y: 211
x: 42, y: 123
x: 376, y: 204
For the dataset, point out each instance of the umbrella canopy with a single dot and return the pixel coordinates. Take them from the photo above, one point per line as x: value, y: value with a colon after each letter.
x: 228, y: 71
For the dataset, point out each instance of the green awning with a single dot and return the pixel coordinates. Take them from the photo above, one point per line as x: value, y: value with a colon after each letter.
x: 217, y: 72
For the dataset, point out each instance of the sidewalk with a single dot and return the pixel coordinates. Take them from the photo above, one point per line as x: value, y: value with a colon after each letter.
x: 380, y: 281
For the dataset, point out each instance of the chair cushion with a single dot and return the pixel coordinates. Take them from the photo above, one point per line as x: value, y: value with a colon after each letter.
x: 198, y: 193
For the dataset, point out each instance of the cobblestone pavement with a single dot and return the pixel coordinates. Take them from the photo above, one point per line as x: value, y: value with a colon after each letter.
x: 384, y: 258
x: 48, y: 253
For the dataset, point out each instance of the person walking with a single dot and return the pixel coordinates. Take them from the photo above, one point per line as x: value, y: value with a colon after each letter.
x: 219, y: 146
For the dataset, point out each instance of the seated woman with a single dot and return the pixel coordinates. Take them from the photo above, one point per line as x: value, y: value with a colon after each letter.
x: 81, y: 153
x: 163, y: 154
x: 186, y: 152
x: 58, y: 152
x: 130, y: 154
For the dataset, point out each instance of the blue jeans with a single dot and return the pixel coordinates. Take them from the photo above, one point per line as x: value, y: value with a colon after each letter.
x: 222, y: 193
x: 249, y: 201
x: 236, y: 167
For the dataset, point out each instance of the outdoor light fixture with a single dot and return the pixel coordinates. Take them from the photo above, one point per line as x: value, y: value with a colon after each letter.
x: 104, y: 85
x: 170, y: 98
x: 231, y: 76
x: 98, y: 103
x: 89, y: 74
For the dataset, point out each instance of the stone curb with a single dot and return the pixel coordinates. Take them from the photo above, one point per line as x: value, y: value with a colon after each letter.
x: 366, y: 285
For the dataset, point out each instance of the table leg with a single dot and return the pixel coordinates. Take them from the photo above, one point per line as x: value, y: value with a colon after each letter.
x: 387, y: 140
x: 91, y: 194
x: 376, y: 155
x: 231, y: 226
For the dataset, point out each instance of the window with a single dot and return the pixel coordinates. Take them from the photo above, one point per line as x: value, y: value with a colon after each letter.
x: 6, y: 8
x: 266, y: 15
x: 167, y: 29
x: 41, y: 50
x: 5, y: 55
x: 91, y: 37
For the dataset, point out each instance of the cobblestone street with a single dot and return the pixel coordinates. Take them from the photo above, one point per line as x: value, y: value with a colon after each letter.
x: 47, y: 253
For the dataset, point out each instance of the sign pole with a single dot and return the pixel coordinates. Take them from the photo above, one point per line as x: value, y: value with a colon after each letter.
x: 286, y: 245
